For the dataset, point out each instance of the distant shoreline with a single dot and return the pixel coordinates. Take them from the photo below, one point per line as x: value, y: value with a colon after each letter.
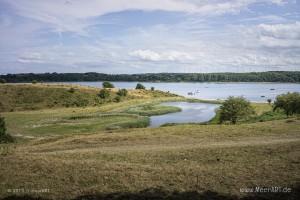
x: 267, y: 77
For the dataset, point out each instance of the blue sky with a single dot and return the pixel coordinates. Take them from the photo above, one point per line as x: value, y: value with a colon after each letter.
x: 142, y: 36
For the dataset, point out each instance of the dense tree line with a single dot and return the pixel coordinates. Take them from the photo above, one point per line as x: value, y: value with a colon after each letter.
x: 272, y: 76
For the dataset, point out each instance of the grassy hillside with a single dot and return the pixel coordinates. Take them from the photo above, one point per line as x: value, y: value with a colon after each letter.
x: 16, y: 97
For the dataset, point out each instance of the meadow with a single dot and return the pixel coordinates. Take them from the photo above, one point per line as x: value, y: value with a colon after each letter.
x: 104, y: 150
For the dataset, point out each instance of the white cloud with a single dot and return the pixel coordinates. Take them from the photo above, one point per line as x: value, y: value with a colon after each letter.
x: 194, y: 43
x: 75, y: 16
x: 144, y: 50
x: 146, y: 55
x: 31, y: 57
x: 281, y: 31
x: 281, y: 43
x: 272, y: 35
x: 149, y: 55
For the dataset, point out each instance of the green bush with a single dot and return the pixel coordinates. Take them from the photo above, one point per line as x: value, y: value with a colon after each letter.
x: 235, y: 109
x: 107, y: 84
x: 139, y: 86
x: 104, y: 94
x: 71, y: 90
x: 152, y: 88
x: 289, y: 103
x: 2, y: 126
x: 117, y: 98
x: 2, y: 80
x: 122, y: 92
x: 34, y: 82
x: 4, y: 137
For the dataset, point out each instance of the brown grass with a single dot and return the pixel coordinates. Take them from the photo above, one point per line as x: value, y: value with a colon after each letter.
x: 221, y: 158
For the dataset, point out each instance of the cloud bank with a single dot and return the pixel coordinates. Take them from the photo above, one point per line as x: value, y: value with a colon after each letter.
x: 119, y: 36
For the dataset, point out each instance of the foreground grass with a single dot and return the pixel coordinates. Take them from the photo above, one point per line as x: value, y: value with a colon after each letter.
x: 220, y: 158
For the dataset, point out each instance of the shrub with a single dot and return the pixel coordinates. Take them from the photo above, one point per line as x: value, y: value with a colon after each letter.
x: 2, y: 126
x: 234, y: 109
x: 34, y: 81
x: 139, y: 86
x: 104, y: 94
x: 107, y: 84
x: 152, y: 89
x: 289, y: 103
x: 4, y: 137
x: 117, y: 98
x: 122, y: 92
x: 71, y: 90
x: 2, y: 80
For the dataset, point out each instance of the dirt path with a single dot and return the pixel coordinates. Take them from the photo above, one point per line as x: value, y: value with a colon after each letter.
x: 254, y: 141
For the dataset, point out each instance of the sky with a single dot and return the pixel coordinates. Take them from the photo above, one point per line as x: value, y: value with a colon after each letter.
x: 149, y: 36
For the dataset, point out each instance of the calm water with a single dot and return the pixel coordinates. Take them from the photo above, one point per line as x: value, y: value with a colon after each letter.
x: 258, y: 92
x: 191, y: 112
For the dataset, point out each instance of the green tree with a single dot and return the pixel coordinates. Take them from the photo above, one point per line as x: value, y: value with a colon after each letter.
x: 289, y: 102
x: 122, y: 92
x: 107, y: 84
x: 139, y: 86
x: 234, y: 109
x: 269, y: 101
x: 104, y: 94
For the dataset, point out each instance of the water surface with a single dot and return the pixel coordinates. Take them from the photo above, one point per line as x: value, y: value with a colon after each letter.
x: 258, y: 92
x: 190, y: 112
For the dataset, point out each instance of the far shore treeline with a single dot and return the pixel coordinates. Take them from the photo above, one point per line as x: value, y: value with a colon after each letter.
x: 271, y: 76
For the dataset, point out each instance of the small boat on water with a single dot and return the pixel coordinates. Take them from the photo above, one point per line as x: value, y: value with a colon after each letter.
x: 272, y: 89
x: 190, y: 93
